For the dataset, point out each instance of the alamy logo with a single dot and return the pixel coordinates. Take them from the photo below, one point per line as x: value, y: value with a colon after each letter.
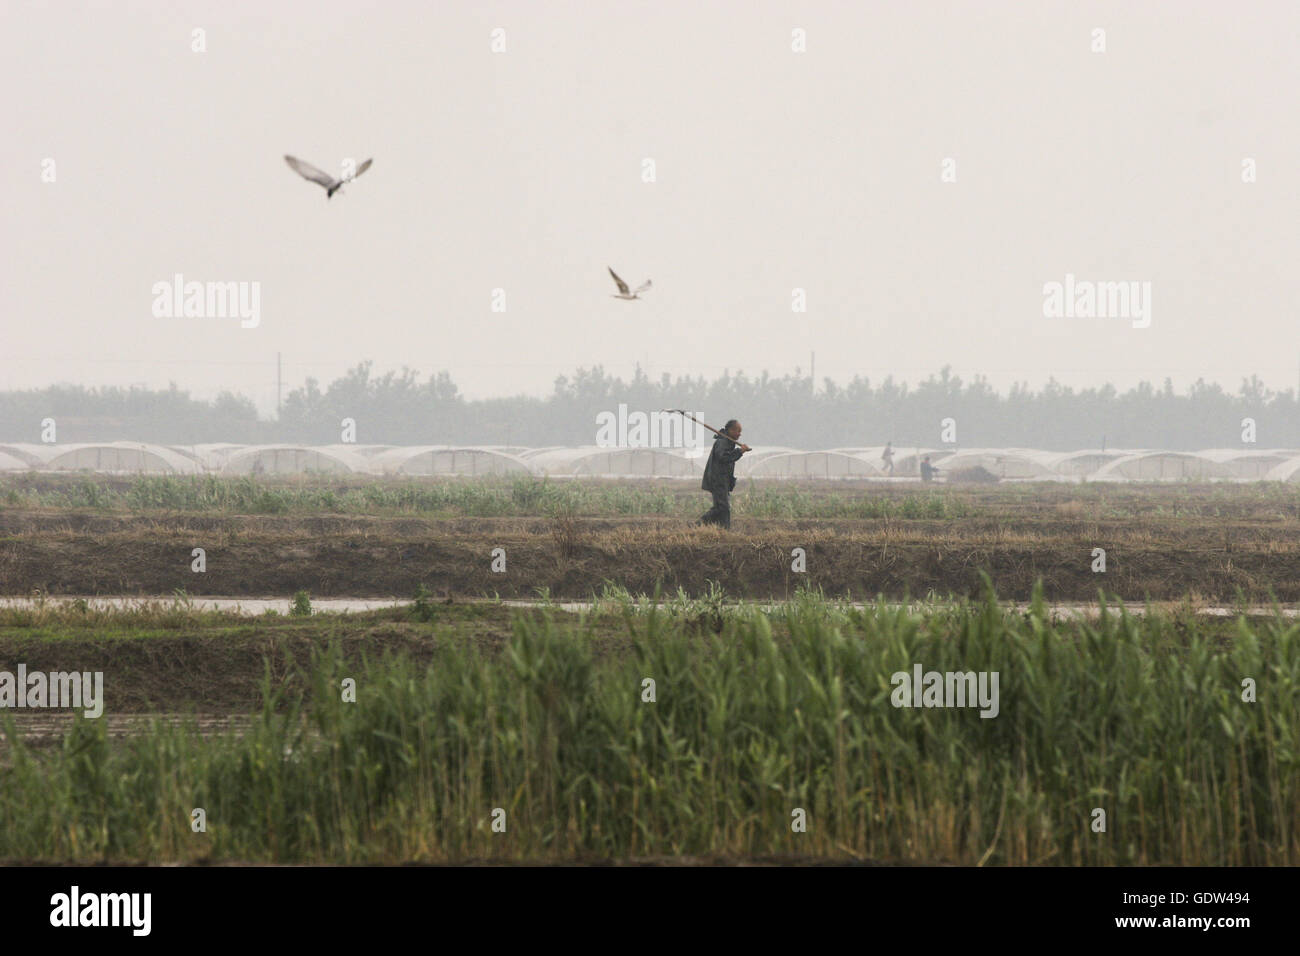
x: 208, y: 300
x: 626, y: 429
x: 946, y: 689
x: 1084, y: 299
x: 103, y: 909
x: 55, y: 689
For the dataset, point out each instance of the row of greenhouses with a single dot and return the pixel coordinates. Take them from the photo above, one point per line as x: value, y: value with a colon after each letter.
x: 1023, y: 464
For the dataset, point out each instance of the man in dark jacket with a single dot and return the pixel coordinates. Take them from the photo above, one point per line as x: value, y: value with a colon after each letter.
x: 720, y: 474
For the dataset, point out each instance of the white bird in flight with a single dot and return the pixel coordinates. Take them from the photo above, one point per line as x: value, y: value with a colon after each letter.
x: 623, y: 292
x: 332, y: 185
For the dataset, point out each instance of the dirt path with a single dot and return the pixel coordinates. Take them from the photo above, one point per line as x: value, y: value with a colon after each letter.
x: 1160, y: 556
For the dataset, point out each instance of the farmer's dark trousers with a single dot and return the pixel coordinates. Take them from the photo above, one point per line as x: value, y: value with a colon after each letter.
x: 720, y: 513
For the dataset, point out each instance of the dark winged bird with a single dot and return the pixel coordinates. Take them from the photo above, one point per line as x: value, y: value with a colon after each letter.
x: 332, y: 185
x: 623, y: 291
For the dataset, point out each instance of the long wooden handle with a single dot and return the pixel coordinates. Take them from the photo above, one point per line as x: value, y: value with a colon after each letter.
x: 702, y: 424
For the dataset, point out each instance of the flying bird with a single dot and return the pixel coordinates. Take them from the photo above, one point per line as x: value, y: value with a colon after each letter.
x: 623, y: 292
x: 332, y: 185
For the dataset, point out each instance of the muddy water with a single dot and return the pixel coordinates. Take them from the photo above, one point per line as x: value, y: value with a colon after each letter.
x: 249, y: 606
x: 256, y: 606
x: 46, y: 726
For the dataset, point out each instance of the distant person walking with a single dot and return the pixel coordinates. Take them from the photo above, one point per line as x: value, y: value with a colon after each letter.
x: 720, y: 474
x: 927, y: 470
x: 887, y: 456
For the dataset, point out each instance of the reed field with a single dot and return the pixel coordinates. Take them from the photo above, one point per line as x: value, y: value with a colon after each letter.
x: 461, y: 711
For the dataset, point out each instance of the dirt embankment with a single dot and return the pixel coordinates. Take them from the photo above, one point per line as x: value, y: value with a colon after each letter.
x: 1160, y: 557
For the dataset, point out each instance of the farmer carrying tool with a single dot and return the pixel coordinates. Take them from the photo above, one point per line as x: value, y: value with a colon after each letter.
x: 720, y: 474
x: 720, y: 469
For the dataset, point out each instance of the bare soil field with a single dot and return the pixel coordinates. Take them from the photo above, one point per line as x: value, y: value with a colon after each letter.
x: 1218, y: 542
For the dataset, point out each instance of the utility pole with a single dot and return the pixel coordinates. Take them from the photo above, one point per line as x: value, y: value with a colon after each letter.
x: 278, y: 381
x: 812, y: 370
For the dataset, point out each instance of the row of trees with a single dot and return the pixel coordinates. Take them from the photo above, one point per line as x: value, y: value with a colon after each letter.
x: 400, y: 408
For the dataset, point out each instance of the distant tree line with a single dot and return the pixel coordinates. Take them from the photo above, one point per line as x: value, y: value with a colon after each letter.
x: 399, y: 408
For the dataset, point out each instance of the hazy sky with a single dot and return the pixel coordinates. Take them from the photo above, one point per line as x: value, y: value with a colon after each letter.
x: 775, y: 170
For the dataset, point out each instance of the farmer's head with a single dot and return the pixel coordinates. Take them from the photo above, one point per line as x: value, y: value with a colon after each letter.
x: 732, y: 428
